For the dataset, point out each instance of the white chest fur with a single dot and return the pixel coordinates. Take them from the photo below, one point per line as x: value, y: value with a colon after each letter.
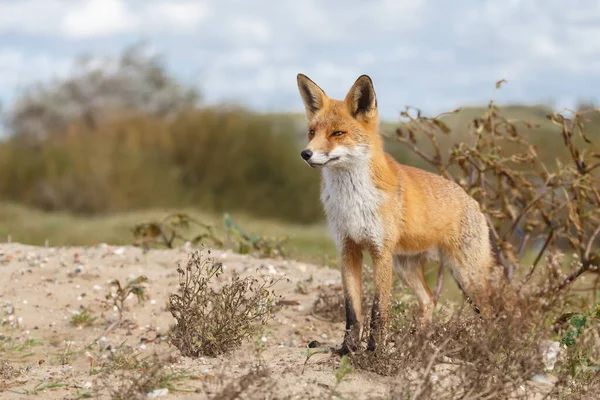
x: 351, y: 202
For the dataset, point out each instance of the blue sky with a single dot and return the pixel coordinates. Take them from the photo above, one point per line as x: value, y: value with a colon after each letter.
x: 432, y: 54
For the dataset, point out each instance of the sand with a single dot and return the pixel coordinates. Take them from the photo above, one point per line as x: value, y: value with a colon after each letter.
x: 41, y: 288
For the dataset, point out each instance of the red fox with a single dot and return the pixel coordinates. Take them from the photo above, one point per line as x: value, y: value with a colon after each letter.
x: 402, y: 216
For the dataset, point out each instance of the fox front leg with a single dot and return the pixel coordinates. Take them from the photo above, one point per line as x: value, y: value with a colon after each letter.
x: 351, y: 257
x: 382, y: 268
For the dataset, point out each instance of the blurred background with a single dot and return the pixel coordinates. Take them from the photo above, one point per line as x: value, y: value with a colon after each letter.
x: 115, y: 112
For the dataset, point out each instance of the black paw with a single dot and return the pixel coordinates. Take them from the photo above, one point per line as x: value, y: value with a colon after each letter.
x: 343, y: 349
x: 371, y: 345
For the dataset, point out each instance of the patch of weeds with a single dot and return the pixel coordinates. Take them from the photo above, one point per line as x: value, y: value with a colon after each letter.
x: 329, y: 304
x: 309, y: 353
x: 67, y: 354
x: 260, y: 344
x: 579, y: 367
x: 345, y: 368
x: 122, y: 357
x: 17, y: 347
x: 118, y: 294
x: 253, y: 384
x: 40, y: 387
x: 7, y: 373
x: 244, y: 243
x: 170, y: 229
x: 303, y: 286
x: 85, y: 394
x: 150, y: 374
x: 83, y: 319
x: 212, y: 321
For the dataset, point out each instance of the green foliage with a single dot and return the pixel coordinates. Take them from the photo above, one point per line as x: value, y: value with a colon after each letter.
x: 82, y: 319
x: 217, y: 159
x: 344, y: 369
x: 118, y: 294
x: 244, y: 243
x: 170, y: 229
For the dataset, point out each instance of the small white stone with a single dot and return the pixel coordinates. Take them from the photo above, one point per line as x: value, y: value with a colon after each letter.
x: 158, y: 392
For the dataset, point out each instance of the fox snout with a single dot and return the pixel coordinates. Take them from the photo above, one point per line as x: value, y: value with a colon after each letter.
x: 306, y: 154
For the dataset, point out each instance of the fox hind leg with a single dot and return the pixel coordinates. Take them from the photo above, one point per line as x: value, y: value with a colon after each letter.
x: 411, y: 272
x: 470, y: 261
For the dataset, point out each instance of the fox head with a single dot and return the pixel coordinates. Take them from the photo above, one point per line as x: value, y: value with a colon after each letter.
x: 340, y: 132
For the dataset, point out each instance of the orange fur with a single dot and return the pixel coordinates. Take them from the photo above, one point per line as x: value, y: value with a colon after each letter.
x: 401, y: 215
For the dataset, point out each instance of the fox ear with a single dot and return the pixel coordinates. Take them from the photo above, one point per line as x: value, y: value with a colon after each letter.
x: 312, y: 95
x: 361, y: 100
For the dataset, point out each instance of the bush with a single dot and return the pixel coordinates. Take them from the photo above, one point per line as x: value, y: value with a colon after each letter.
x: 532, y: 208
x: 211, y: 322
x: 463, y: 356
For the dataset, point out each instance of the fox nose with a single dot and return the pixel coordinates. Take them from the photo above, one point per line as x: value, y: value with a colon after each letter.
x: 306, y: 154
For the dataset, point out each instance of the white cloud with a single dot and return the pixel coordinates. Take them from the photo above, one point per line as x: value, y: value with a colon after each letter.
x: 97, y: 18
x: 428, y: 53
x: 86, y: 19
x: 181, y: 15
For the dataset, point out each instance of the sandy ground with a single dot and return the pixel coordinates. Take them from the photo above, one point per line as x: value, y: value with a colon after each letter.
x: 41, y: 288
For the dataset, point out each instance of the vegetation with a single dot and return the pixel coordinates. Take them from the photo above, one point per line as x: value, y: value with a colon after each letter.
x: 118, y: 294
x: 125, y: 135
x: 26, y: 225
x: 211, y: 322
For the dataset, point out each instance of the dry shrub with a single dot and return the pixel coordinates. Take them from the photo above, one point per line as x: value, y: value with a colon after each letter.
x: 135, y: 378
x: 531, y: 207
x: 464, y: 356
x: 122, y: 357
x: 214, y: 321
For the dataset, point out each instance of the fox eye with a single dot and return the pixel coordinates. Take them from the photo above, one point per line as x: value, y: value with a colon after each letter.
x: 311, y: 132
x: 337, y: 133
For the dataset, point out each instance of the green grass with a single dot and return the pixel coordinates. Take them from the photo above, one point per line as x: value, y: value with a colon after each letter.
x: 25, y: 225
